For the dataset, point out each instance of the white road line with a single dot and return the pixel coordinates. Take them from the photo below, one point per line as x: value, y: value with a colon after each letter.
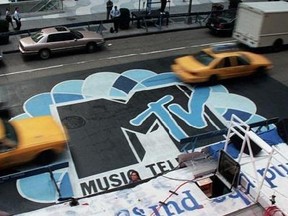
x: 161, y: 51
x: 114, y: 57
x: 81, y: 62
x: 29, y: 71
x: 122, y: 56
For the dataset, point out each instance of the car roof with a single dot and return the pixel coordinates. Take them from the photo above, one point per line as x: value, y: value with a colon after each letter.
x: 223, y: 50
x: 54, y: 29
x: 222, y: 54
x: 226, y: 16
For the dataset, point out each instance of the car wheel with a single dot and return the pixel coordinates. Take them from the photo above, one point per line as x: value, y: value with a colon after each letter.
x: 45, y: 157
x: 91, y: 47
x: 278, y: 45
x: 44, y: 53
x: 213, y: 79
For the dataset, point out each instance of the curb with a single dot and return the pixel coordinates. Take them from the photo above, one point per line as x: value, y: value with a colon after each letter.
x: 154, y: 32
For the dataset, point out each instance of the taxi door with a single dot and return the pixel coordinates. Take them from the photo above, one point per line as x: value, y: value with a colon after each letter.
x: 223, y: 68
x: 239, y: 67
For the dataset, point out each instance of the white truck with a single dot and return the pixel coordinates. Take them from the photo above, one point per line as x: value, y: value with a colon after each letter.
x: 262, y: 24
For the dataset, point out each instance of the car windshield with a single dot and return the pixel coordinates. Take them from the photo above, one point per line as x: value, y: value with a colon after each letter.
x: 10, y: 134
x: 203, y: 58
x: 10, y: 131
x: 244, y: 59
x: 37, y: 36
x: 224, y: 19
x: 77, y: 34
x: 228, y: 14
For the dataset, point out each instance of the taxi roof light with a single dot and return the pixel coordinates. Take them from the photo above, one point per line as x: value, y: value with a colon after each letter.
x: 225, y: 47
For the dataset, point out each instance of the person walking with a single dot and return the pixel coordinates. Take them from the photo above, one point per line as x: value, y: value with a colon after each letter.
x: 149, y: 7
x: 17, y: 18
x: 9, y: 17
x: 115, y: 14
x: 109, y: 6
x: 163, y: 6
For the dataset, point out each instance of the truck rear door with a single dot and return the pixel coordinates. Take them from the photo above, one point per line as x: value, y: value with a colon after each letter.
x: 249, y: 23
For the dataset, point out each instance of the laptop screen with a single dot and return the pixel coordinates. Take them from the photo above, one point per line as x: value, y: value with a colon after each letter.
x: 228, y: 168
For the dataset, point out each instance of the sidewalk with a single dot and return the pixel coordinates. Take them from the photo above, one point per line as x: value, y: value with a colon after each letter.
x: 71, y: 15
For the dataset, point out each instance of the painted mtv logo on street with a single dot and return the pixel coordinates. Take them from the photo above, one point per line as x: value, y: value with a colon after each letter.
x: 143, y: 129
x: 134, y: 120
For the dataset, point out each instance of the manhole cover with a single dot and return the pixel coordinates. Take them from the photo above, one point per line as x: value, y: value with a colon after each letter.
x: 73, y: 122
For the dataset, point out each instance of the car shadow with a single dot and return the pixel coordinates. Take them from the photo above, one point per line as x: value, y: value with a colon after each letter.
x: 62, y: 54
x: 255, y: 78
x: 262, y: 50
x: 220, y: 35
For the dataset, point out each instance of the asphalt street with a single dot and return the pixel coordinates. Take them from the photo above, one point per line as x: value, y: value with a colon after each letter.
x: 97, y: 117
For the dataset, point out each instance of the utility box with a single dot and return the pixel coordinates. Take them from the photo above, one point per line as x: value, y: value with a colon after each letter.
x: 262, y: 24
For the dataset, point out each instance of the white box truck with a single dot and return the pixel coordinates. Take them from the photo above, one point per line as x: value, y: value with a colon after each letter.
x: 262, y: 24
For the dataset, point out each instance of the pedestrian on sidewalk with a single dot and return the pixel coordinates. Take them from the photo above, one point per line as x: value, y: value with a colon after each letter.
x: 17, y: 18
x: 9, y: 17
x: 149, y: 7
x: 115, y: 14
x: 163, y: 6
x: 109, y: 6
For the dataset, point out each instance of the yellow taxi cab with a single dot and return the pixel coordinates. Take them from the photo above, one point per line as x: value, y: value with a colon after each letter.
x: 25, y: 140
x: 219, y: 62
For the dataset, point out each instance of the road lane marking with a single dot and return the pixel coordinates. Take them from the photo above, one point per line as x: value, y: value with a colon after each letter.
x: 215, y: 43
x: 114, y: 57
x: 31, y: 70
x: 121, y: 56
x: 161, y: 51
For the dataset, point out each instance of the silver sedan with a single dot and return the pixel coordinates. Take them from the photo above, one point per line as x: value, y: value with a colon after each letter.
x: 59, y: 39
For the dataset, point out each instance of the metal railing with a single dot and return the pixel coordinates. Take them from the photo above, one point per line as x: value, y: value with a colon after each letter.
x: 45, y: 5
x: 196, y: 16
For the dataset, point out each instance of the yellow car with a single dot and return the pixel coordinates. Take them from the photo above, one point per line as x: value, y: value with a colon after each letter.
x: 25, y: 140
x: 218, y: 63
